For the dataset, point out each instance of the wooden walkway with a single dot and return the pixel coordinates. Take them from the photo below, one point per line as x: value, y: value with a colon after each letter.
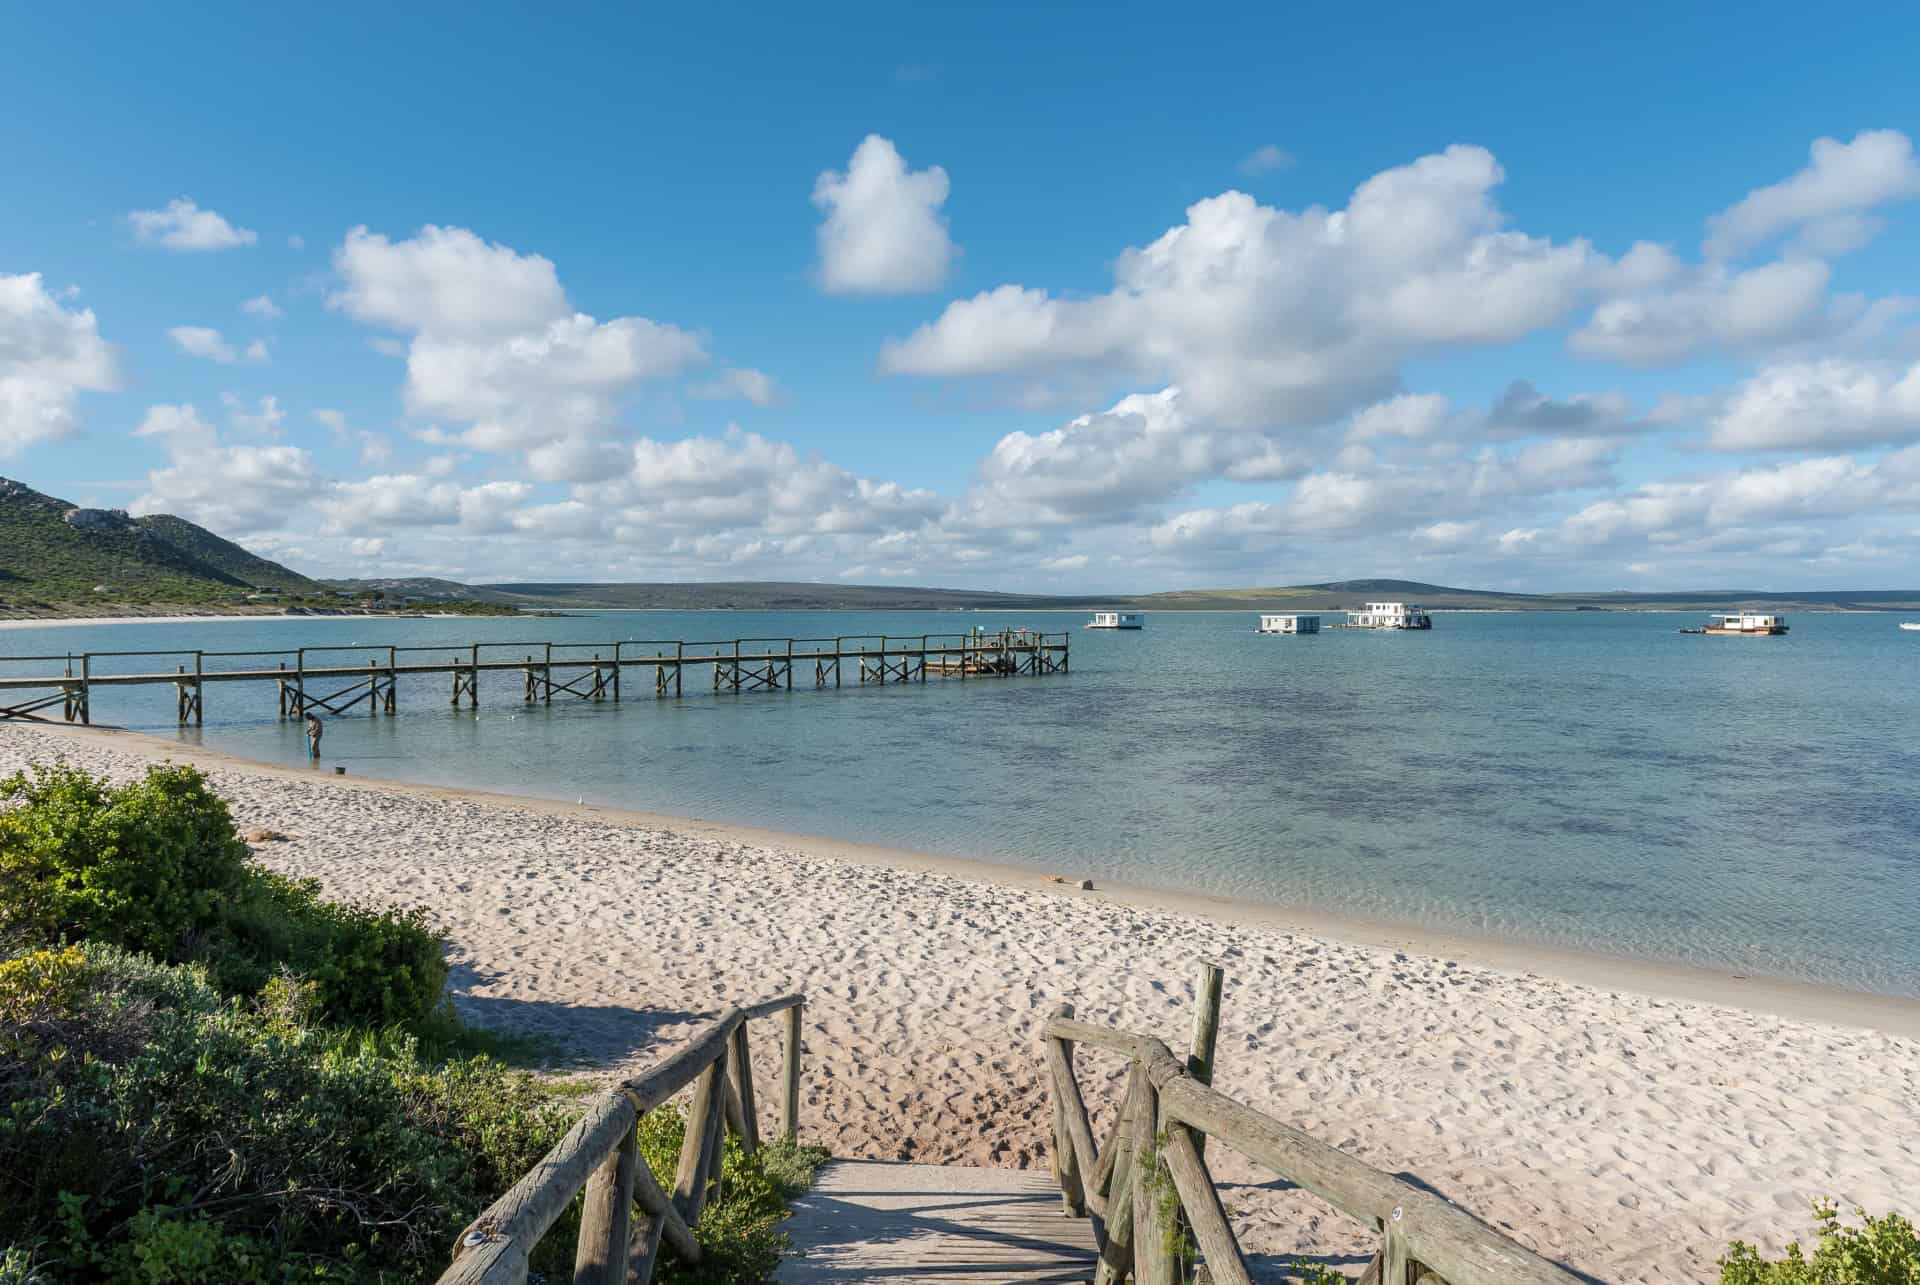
x: 876, y: 1220
x: 344, y: 677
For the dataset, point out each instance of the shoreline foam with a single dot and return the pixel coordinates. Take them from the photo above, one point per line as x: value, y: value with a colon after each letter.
x: 1628, y: 1134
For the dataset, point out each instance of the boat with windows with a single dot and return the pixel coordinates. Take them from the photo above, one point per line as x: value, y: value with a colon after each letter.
x: 1117, y: 620
x: 1744, y: 624
x: 1289, y: 625
x: 1390, y: 615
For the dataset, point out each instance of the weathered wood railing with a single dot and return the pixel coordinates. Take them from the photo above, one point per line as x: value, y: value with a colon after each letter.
x: 619, y: 1242
x: 1159, y: 1135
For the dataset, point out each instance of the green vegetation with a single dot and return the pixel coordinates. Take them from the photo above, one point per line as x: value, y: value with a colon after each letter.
x: 1881, y: 1251
x: 209, y: 1074
x: 102, y: 557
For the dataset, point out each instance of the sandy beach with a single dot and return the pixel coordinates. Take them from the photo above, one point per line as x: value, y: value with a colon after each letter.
x: 1624, y: 1118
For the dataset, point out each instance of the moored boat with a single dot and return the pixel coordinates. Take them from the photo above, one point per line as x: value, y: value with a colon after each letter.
x: 1911, y: 624
x: 1746, y: 624
x: 1289, y: 625
x: 1117, y: 620
x: 1390, y: 615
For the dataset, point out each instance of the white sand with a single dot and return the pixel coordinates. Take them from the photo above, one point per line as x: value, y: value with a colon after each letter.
x: 1626, y: 1135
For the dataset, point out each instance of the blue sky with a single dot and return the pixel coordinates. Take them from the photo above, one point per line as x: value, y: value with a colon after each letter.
x: 1078, y: 299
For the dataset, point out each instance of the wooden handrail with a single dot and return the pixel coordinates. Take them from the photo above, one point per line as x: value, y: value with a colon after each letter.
x: 1425, y: 1239
x: 599, y: 1155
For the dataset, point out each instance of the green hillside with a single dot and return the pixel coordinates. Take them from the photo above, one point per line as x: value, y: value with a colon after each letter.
x: 54, y: 554
x: 225, y: 555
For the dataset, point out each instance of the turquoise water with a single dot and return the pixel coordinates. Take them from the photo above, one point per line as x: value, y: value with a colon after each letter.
x: 1590, y: 780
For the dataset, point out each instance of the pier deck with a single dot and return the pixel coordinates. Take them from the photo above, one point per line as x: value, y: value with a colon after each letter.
x: 584, y: 671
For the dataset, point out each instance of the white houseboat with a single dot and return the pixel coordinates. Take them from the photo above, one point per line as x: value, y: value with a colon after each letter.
x: 1289, y: 625
x: 1390, y: 615
x: 1746, y: 624
x: 1117, y: 620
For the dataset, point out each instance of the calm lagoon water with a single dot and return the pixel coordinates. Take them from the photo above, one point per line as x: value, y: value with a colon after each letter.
x: 1591, y: 780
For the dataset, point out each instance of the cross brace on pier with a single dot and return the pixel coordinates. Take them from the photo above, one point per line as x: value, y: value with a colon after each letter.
x: 563, y: 669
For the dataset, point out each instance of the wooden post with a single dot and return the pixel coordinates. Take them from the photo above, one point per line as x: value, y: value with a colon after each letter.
x: 546, y: 674
x: 790, y: 1079
x: 616, y: 673
x: 473, y: 688
x: 606, y: 1217
x: 1066, y: 1160
x: 199, y: 691
x: 86, y: 688
x: 1201, y: 1204
x: 742, y: 1076
x: 679, y: 656
x: 1079, y: 1132
x: 1206, y: 1031
x: 1153, y: 1216
x: 703, y: 1119
x: 1206, y: 1022
x: 1117, y: 1257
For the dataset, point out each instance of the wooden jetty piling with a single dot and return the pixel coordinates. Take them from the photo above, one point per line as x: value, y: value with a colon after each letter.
x: 314, y: 682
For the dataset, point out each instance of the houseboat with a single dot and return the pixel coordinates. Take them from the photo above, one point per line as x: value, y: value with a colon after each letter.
x: 1117, y: 620
x: 1745, y: 624
x: 1910, y: 624
x: 1289, y: 625
x: 1390, y: 615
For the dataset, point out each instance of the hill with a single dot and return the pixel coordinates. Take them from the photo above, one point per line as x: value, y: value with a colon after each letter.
x: 771, y: 595
x: 226, y: 556
x: 53, y: 552
x: 1333, y: 595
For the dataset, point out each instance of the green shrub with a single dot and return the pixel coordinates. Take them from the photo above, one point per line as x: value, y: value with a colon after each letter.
x: 156, y: 866
x: 151, y: 1130
x: 1881, y: 1251
x: 148, y: 865
x: 379, y: 967
x: 232, y: 1144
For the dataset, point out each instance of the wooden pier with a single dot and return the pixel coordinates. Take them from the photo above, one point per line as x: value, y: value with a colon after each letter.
x: 337, y: 680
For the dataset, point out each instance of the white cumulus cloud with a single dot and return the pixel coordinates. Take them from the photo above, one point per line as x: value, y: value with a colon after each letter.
x: 1829, y: 198
x: 183, y: 225
x: 883, y: 232
x: 49, y: 355
x: 495, y: 343
x: 1265, y: 316
x: 233, y: 489
x: 1835, y: 402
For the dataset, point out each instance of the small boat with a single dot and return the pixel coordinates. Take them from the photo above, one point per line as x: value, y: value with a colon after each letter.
x: 1911, y: 624
x: 1117, y: 620
x: 1746, y: 624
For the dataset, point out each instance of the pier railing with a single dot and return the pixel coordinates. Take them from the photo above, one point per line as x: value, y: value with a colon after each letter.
x: 627, y: 1214
x: 344, y: 676
x: 1156, y: 1149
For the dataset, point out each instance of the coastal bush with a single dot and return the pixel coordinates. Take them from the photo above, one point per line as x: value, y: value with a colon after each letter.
x: 147, y: 865
x: 158, y: 867
x: 1883, y: 1250
x: 152, y: 1129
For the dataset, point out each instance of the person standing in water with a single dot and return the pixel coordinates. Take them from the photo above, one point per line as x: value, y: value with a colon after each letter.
x: 314, y: 731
